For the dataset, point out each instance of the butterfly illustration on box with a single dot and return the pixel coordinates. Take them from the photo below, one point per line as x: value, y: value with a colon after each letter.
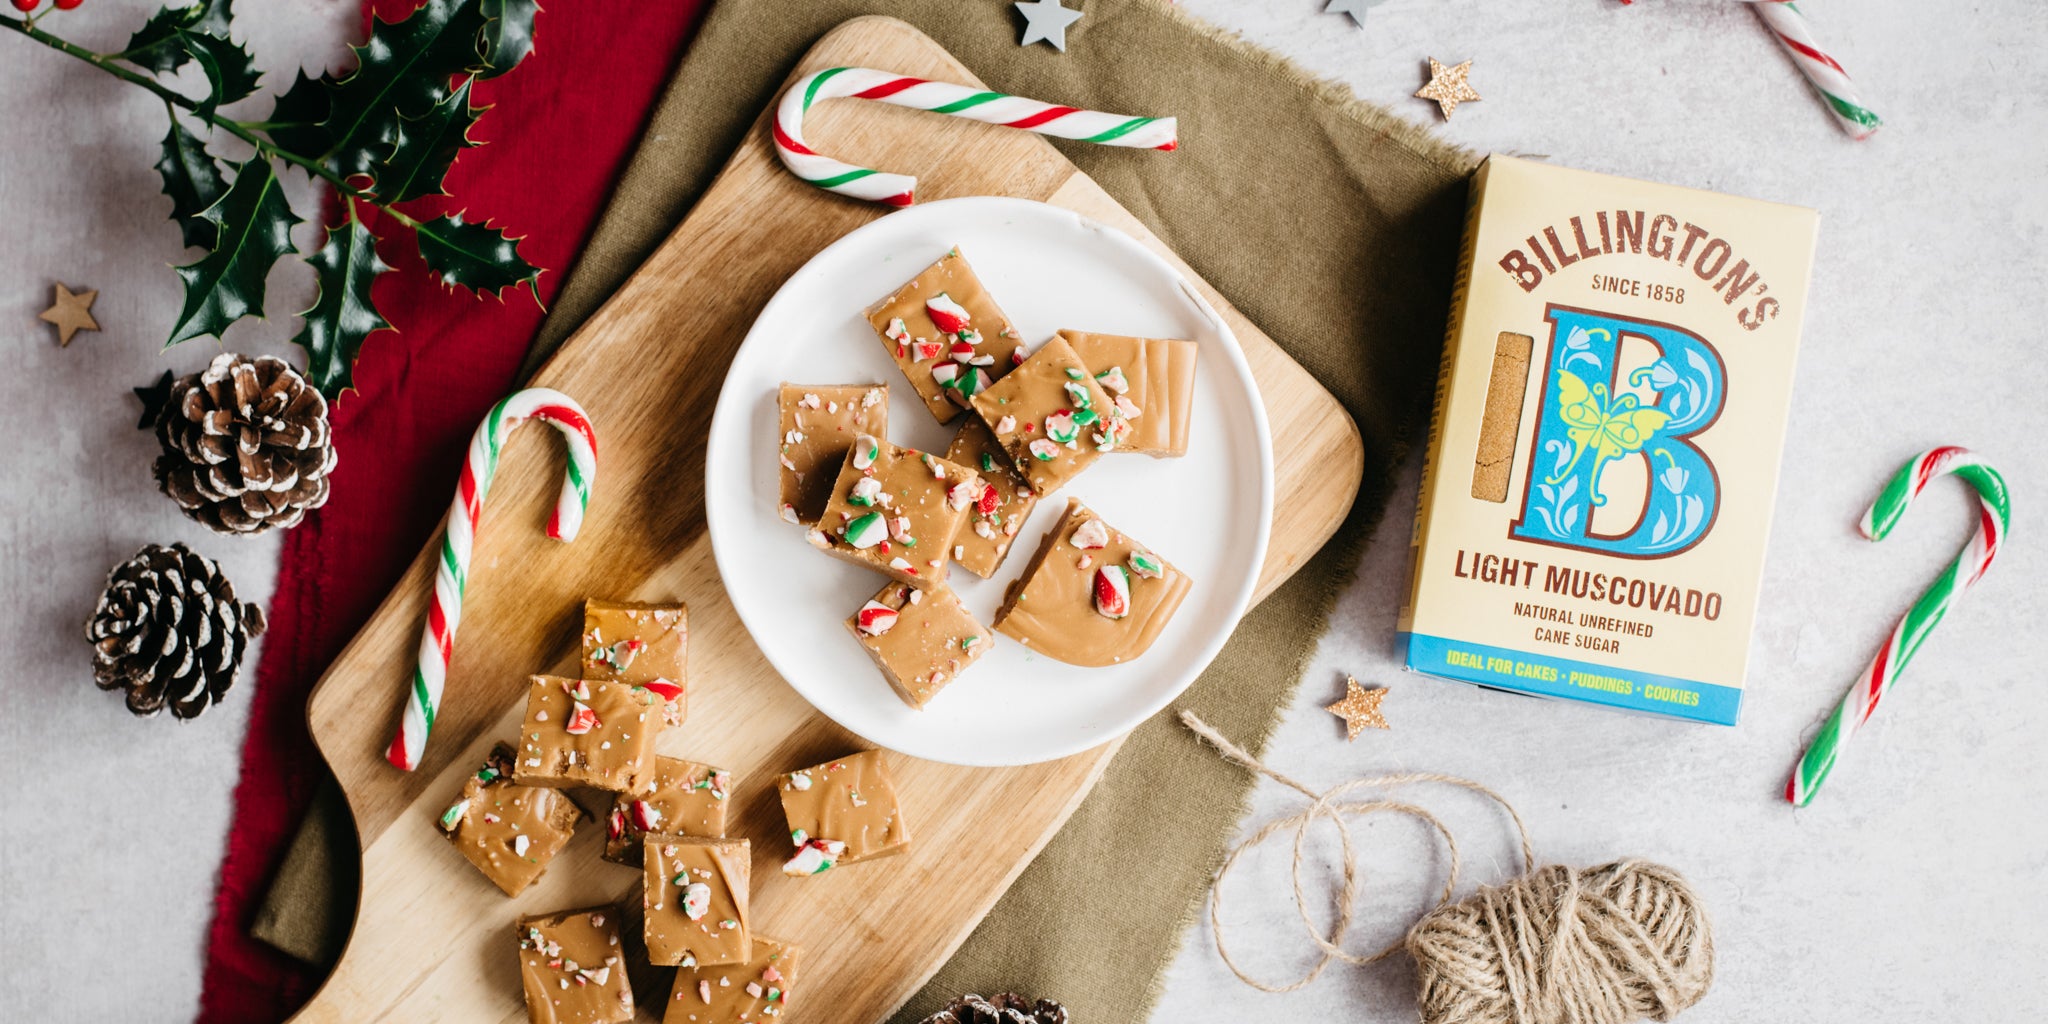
x: 1586, y: 425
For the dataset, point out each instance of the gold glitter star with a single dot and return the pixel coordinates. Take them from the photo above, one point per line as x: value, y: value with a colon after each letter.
x: 1359, y: 708
x: 70, y: 311
x: 1447, y: 86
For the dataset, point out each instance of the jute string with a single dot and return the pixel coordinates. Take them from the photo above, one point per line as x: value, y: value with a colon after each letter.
x: 1556, y: 945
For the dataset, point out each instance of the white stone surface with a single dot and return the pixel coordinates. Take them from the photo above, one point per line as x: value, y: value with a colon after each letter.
x: 1912, y: 890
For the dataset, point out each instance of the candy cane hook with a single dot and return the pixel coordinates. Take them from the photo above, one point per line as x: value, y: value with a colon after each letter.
x: 451, y: 570
x: 939, y: 98
x: 1993, y: 519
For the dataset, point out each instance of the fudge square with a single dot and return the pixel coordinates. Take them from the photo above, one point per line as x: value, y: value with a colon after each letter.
x: 640, y: 644
x: 583, y: 733
x: 1151, y: 384
x: 947, y: 335
x: 688, y: 798
x: 818, y: 425
x: 921, y: 639
x: 1050, y: 415
x: 696, y: 900
x: 509, y: 831
x: 569, y: 965
x: 842, y: 812
x: 895, y: 510
x: 999, y: 512
x: 1091, y: 595
x: 755, y: 992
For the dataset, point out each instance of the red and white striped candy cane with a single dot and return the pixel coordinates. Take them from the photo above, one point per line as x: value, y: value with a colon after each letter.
x: 1994, y: 517
x: 451, y: 570
x: 1790, y: 28
x: 939, y: 98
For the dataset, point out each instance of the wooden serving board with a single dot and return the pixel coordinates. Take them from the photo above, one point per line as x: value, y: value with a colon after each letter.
x: 433, y: 940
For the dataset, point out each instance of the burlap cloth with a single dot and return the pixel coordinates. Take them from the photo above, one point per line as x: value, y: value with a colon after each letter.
x: 1332, y: 224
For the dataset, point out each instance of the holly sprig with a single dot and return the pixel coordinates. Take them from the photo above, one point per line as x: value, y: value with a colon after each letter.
x: 383, y: 134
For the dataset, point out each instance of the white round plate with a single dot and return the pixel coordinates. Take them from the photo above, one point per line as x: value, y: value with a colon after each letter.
x: 1207, y: 512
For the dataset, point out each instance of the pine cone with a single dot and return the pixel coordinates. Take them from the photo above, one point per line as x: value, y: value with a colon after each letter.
x: 1005, y: 1008
x: 245, y: 445
x: 169, y: 630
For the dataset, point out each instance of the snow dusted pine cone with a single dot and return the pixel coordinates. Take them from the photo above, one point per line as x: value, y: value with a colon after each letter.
x: 246, y: 445
x: 169, y: 631
x: 1005, y: 1008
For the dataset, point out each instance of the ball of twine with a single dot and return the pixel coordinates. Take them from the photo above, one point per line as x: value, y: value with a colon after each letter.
x: 1555, y: 945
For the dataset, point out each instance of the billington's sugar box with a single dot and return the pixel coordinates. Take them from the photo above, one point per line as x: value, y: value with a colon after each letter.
x: 1604, y: 456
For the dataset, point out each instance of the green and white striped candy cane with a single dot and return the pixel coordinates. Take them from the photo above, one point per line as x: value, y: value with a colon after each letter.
x: 1794, y: 32
x: 451, y: 570
x: 939, y: 98
x: 1993, y: 518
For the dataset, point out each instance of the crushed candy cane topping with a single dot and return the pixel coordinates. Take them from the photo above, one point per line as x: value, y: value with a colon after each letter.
x: 1113, y: 381
x: 1091, y: 535
x: 696, y: 900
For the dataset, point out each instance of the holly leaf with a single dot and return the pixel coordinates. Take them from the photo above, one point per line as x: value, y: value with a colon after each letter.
x: 342, y: 315
x: 193, y: 181
x: 402, y: 71
x: 160, y: 44
x: 475, y: 256
x: 508, y: 34
x: 253, y: 224
x: 230, y: 71
x: 426, y: 147
x: 296, y: 118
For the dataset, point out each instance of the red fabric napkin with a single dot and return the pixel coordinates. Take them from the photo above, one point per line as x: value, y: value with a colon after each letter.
x: 566, y: 121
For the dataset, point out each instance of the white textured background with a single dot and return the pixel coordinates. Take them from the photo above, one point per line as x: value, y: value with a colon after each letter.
x: 1916, y: 888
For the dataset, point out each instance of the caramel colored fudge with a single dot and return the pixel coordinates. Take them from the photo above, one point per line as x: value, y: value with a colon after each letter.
x: 569, y: 964
x: 818, y: 425
x: 842, y: 812
x: 644, y: 645
x: 1050, y: 415
x: 696, y: 900
x: 921, y: 639
x: 1003, y: 505
x: 895, y: 511
x: 755, y: 992
x: 1151, y: 385
x: 688, y: 798
x: 1091, y: 595
x: 509, y: 831
x: 947, y: 336
x: 584, y: 733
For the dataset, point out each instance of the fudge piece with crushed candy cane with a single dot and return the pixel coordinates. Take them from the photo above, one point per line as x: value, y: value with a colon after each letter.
x: 1092, y: 595
x: 695, y: 899
x: 947, y: 335
x: 818, y: 423
x: 509, y: 831
x: 573, y: 968
x: 1151, y: 386
x: 755, y: 992
x: 842, y: 812
x: 641, y: 644
x: 689, y: 798
x: 895, y: 510
x: 581, y: 732
x: 921, y: 639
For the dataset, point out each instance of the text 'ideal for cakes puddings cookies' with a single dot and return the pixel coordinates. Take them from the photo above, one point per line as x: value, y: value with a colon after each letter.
x: 842, y: 812
x: 818, y: 424
x: 509, y: 831
x: 570, y: 966
x: 756, y: 992
x: 641, y: 645
x: 1092, y: 595
x: 947, y: 335
x: 895, y: 510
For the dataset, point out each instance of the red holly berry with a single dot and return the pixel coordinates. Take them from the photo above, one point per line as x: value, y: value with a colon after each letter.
x: 25, y: 6
x: 65, y: 5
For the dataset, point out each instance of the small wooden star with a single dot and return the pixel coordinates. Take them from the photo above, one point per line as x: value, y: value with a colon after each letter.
x: 1355, y: 8
x: 1359, y: 708
x: 153, y: 398
x: 1046, y: 20
x: 71, y: 312
x: 1447, y: 86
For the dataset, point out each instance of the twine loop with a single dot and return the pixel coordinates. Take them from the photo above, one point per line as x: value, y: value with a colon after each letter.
x: 1555, y: 945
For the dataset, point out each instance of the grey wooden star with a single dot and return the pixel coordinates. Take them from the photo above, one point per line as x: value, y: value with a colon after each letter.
x: 1046, y: 20
x: 1355, y: 8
